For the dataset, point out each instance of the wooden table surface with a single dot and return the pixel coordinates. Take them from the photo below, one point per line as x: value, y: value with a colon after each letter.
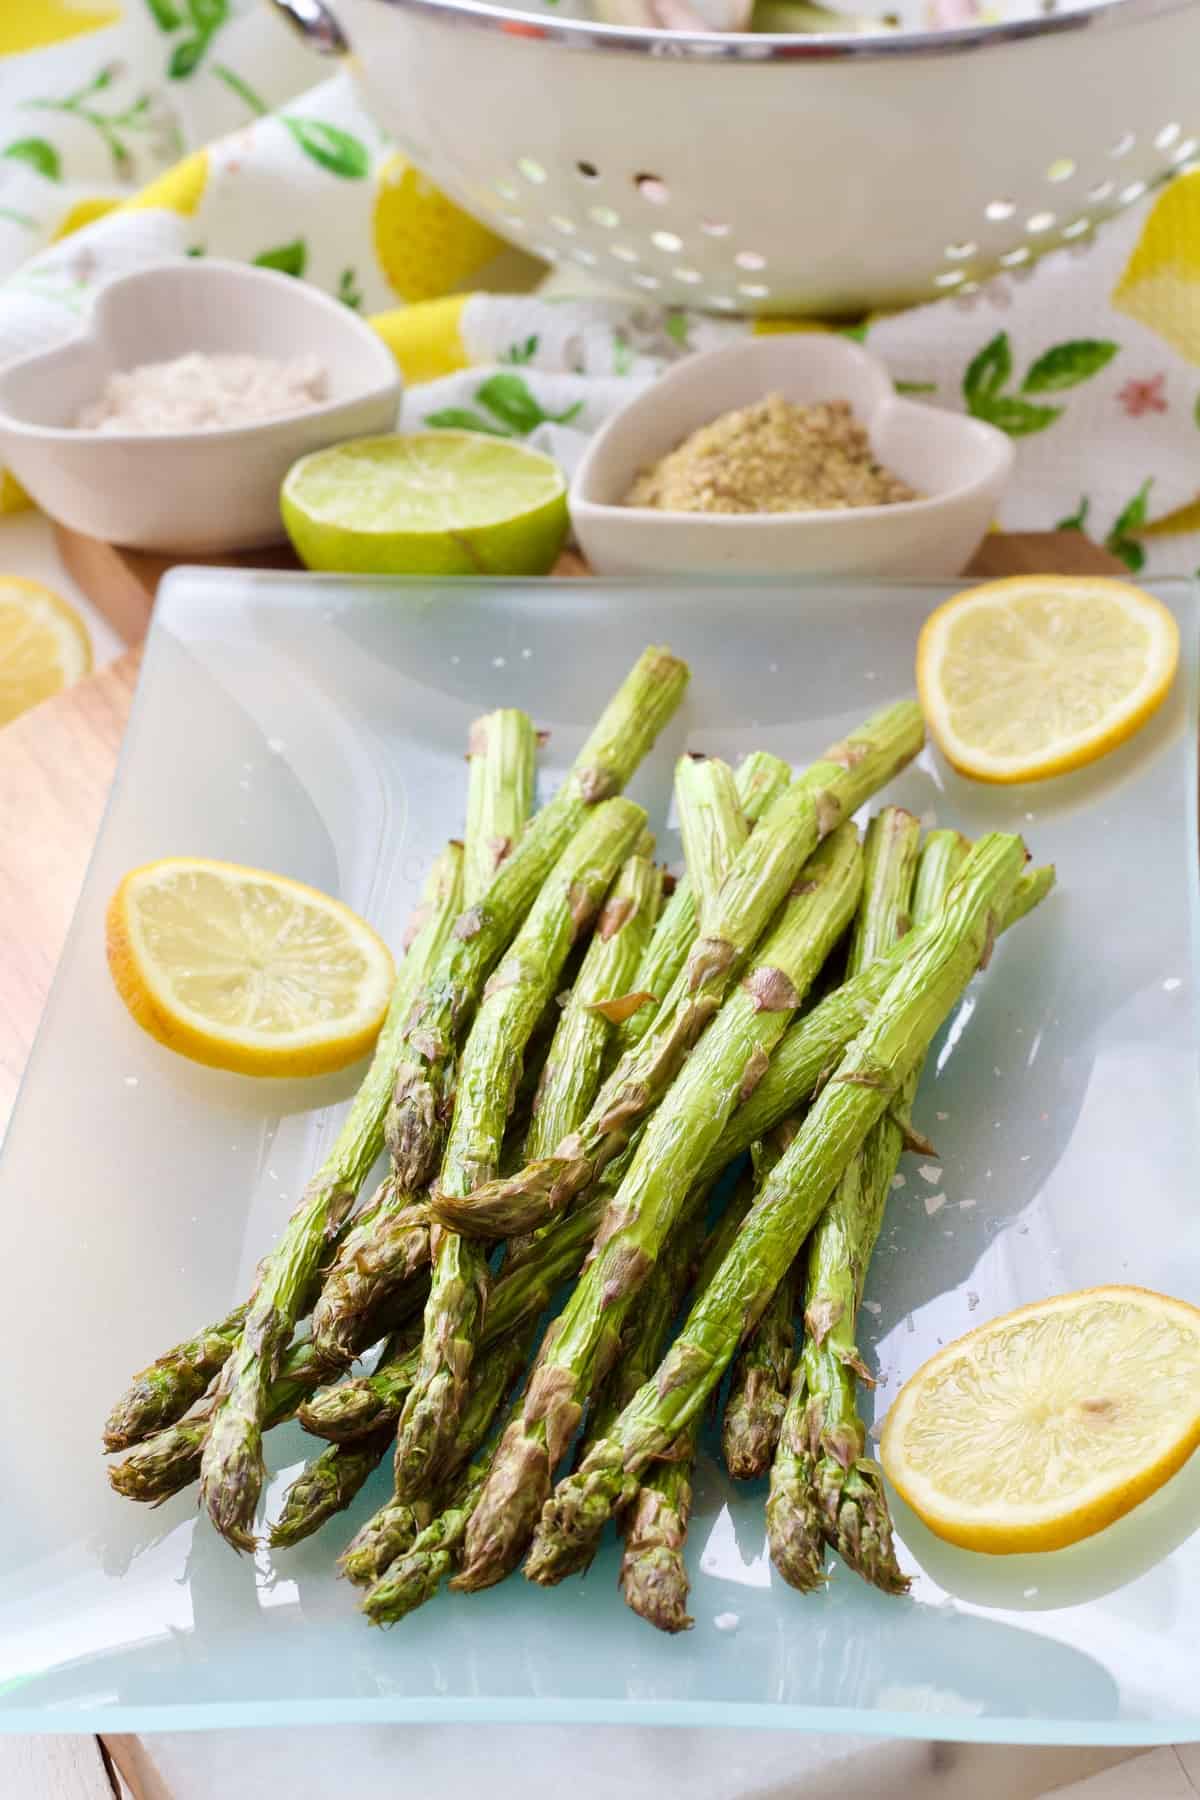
x: 56, y: 769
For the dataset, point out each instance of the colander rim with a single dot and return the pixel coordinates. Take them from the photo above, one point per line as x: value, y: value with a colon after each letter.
x: 761, y: 49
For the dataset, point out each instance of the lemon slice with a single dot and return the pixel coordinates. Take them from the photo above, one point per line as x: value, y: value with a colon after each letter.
x: 245, y: 970
x: 44, y: 645
x: 1046, y: 1425
x: 431, y: 503
x: 1029, y: 677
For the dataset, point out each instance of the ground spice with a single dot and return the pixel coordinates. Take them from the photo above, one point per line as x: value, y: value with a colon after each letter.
x: 772, y: 457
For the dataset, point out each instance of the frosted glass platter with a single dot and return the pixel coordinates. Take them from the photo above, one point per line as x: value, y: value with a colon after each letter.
x: 317, y: 727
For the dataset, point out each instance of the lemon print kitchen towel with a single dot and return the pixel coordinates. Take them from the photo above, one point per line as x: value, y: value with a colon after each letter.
x: 164, y: 128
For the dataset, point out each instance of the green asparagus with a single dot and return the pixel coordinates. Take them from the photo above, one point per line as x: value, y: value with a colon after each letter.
x: 232, y: 1468
x: 501, y: 763
x: 756, y: 885
x: 487, y: 1079
x: 571, y: 1071
x: 170, y: 1460
x: 163, y: 1393
x: 836, y: 1257
x: 724, y: 1068
x: 326, y: 1486
x: 846, y: 1486
x: 863, y: 1086
x: 760, y: 779
x: 812, y: 1046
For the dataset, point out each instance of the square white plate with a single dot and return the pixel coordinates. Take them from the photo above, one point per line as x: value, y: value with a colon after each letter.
x: 317, y: 727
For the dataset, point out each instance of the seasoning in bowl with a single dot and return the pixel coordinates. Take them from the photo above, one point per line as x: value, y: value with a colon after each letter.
x: 202, y: 392
x: 772, y: 457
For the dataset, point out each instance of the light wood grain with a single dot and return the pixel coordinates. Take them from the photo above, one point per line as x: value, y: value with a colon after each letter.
x: 56, y: 769
x: 53, y: 1768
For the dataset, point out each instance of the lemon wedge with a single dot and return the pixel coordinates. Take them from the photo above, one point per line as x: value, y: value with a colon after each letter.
x: 44, y: 645
x: 245, y: 970
x: 1033, y: 676
x: 1046, y: 1425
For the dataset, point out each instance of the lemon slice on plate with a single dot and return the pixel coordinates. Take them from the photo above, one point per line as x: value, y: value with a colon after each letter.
x: 44, y: 645
x: 1046, y: 1425
x: 245, y: 970
x: 431, y: 503
x: 1030, y: 677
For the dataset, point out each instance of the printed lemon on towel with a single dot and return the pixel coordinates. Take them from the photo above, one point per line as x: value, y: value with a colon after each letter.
x: 1029, y: 677
x: 432, y: 503
x: 44, y: 645
x: 1051, y: 1422
x: 245, y: 970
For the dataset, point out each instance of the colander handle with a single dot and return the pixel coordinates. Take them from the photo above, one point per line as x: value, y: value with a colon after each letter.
x: 315, y: 24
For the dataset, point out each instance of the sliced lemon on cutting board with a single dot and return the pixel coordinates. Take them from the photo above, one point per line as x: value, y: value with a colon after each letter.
x: 1033, y: 676
x: 429, y: 503
x: 1048, y: 1424
x: 44, y: 645
x: 245, y: 970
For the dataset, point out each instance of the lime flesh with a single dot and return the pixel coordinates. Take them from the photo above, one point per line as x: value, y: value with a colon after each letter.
x: 430, y: 503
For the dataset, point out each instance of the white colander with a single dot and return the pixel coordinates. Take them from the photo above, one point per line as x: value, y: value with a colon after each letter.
x: 760, y: 174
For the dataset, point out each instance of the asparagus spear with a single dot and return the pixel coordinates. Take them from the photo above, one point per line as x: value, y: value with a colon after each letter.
x: 501, y: 760
x: 845, y: 1486
x: 863, y: 1086
x: 390, y: 1238
x: 414, y: 1576
x: 490, y: 1069
x: 326, y: 1486
x: 232, y: 1470
x: 725, y: 1065
x: 794, y: 1525
x: 760, y: 779
x: 811, y: 1048
x: 653, y: 1576
x: 625, y: 732
x: 711, y: 821
x: 386, y: 1534
x: 762, y: 1368
x: 756, y: 885
x: 159, y: 1395
x: 167, y: 1462
x: 571, y: 1071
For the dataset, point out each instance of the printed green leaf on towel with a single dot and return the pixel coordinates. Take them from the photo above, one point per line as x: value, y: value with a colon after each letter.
x: 1063, y: 366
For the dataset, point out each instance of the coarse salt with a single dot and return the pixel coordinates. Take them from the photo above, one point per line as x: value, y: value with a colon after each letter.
x: 199, y: 392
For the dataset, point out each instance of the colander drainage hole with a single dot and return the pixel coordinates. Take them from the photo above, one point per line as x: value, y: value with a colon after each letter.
x: 652, y: 188
x: 588, y: 170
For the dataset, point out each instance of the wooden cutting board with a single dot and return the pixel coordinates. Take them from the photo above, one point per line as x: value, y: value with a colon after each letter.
x: 121, y: 584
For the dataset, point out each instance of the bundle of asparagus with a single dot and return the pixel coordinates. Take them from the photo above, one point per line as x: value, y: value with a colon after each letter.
x: 538, y: 1138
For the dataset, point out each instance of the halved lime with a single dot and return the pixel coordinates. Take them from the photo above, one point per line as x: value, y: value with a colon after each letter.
x: 429, y: 503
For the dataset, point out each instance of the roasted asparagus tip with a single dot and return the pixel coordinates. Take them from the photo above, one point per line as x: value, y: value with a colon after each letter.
x: 858, y: 1523
x: 384, y: 1537
x: 408, y: 1583
x: 794, y: 1528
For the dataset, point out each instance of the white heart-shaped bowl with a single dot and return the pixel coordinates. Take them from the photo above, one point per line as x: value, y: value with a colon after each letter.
x: 189, y: 492
x: 958, y: 465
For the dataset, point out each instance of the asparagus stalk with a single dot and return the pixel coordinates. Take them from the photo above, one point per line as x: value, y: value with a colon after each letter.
x: 501, y: 760
x: 862, y: 1088
x: 760, y: 779
x: 653, y: 1575
x: 326, y: 1486
x: 625, y: 732
x: 711, y: 821
x: 388, y: 1534
x: 811, y: 1048
x: 794, y: 1525
x: 756, y: 885
x: 762, y: 1368
x: 845, y: 1485
x: 571, y: 1072
x: 390, y: 1239
x: 161, y: 1394
x: 491, y: 1066
x: 724, y: 1067
x: 169, y: 1461
x: 232, y: 1470
x: 414, y: 1576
